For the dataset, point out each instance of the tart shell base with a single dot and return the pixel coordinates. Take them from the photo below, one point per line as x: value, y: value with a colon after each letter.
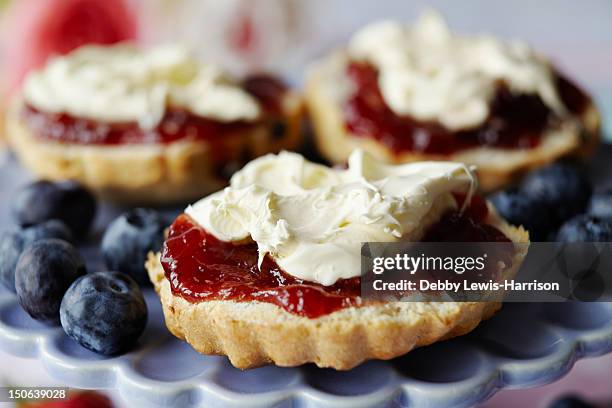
x: 252, y: 334
x: 146, y: 173
x: 327, y: 86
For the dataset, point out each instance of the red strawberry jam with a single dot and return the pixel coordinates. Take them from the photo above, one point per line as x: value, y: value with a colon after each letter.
x: 200, y: 267
x: 514, y: 122
x: 177, y: 124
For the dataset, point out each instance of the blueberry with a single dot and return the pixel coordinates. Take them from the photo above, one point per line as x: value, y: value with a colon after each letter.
x: 129, y: 238
x: 563, y: 188
x: 48, y: 229
x: 520, y: 209
x: 44, y: 272
x: 66, y: 201
x: 104, y: 312
x: 14, y: 241
x: 601, y: 204
x: 570, y: 402
x: 586, y: 228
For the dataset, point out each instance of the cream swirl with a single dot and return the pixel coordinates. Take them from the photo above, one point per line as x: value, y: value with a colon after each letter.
x: 432, y: 75
x: 122, y: 83
x: 312, y: 219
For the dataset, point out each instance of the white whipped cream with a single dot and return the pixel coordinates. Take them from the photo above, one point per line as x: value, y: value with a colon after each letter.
x: 124, y: 84
x: 312, y: 219
x: 430, y: 74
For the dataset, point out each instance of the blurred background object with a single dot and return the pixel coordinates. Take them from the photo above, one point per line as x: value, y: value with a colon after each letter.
x: 33, y: 30
x: 283, y: 35
x: 242, y: 35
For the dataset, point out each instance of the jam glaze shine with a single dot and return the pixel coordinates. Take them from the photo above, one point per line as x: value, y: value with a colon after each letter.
x: 177, y: 124
x: 200, y: 267
x: 514, y: 122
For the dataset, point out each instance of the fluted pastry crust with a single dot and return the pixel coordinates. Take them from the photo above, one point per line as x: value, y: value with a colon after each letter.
x: 252, y: 334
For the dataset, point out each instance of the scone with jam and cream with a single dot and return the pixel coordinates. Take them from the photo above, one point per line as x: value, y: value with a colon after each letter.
x: 409, y: 93
x: 147, y: 125
x: 268, y: 269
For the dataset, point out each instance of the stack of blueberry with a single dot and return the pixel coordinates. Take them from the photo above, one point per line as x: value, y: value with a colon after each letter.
x: 557, y: 203
x: 103, y: 311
